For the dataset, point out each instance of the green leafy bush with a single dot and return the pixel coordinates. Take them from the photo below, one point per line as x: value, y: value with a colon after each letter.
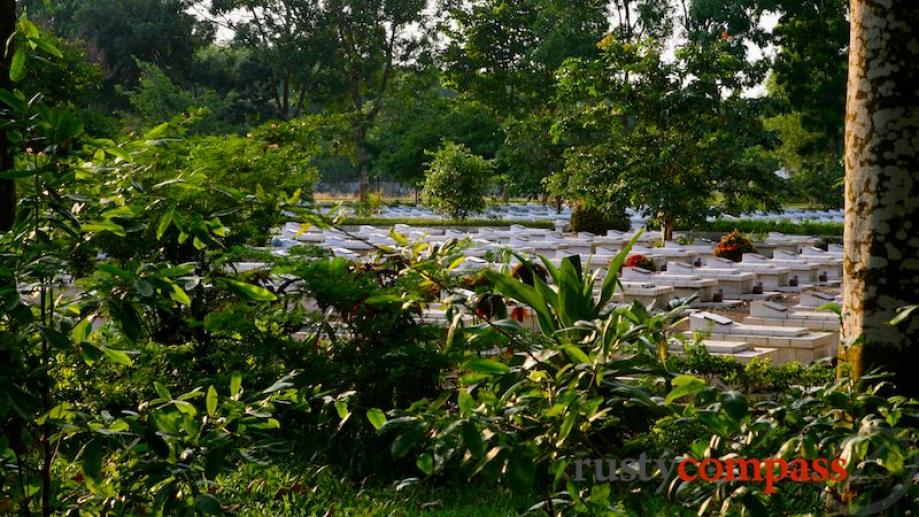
x: 585, y: 218
x: 457, y: 181
x: 758, y: 376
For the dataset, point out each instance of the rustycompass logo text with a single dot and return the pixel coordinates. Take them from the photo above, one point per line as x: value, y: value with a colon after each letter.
x: 768, y: 472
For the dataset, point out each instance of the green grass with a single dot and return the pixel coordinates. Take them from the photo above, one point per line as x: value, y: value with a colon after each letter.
x: 291, y: 490
x: 285, y: 491
x: 427, y: 221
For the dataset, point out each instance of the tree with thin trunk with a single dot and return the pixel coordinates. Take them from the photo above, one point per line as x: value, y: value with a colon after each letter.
x: 374, y: 36
x: 7, y: 186
x: 293, y: 41
x: 882, y: 190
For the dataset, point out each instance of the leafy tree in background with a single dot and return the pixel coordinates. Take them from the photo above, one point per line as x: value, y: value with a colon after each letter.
x: 809, y: 86
x: 161, y: 32
x: 374, y: 38
x: 504, y: 55
x: 290, y: 38
x: 53, y: 15
x: 662, y: 137
x: 417, y: 116
x: 7, y: 185
x: 158, y: 99
x: 811, y: 64
x: 528, y: 154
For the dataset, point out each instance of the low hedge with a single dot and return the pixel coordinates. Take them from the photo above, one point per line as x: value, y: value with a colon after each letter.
x: 785, y: 226
x: 433, y: 222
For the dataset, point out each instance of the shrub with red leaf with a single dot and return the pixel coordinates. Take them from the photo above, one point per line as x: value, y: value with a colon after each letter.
x: 638, y: 260
x: 732, y: 246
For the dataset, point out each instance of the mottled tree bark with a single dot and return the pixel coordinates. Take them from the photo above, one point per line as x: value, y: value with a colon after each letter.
x: 7, y: 186
x: 882, y: 190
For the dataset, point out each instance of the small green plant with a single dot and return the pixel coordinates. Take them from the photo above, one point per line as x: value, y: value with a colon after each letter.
x: 369, y: 205
x: 457, y: 181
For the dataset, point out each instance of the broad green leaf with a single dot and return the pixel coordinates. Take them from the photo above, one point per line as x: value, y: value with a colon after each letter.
x: 162, y: 391
x: 28, y: 29
x: 513, y: 288
x: 208, y: 504
x: 565, y: 429
x: 179, y: 295
x: 521, y: 473
x: 249, y: 291
x: 90, y: 353
x: 117, y: 356
x: 185, y: 407
x: 81, y: 331
x: 13, y: 100
x: 92, y: 462
x: 211, y: 401
x: 465, y: 402
x: 576, y: 354
x: 15, y: 174
x: 685, y: 385
x: 341, y: 407
x: 104, y: 226
x: 236, y: 382
x: 165, y: 221
x: 18, y: 65
x: 157, y: 132
x: 48, y: 47
x: 56, y: 339
x: 376, y: 417
x: 482, y: 365
x: 473, y: 439
x: 608, y: 288
x: 407, y: 440
x: 425, y: 463
x: 121, y: 211
x: 734, y: 404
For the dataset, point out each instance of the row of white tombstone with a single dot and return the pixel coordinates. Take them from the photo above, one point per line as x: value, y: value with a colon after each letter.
x: 787, y: 263
x: 538, y: 212
x: 686, y: 268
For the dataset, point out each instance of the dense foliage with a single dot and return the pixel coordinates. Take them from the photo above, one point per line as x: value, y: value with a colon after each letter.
x: 662, y: 137
x: 497, y: 77
x: 752, y: 226
x: 586, y: 218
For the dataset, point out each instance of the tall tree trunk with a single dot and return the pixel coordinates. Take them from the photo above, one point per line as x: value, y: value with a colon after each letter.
x: 667, y: 223
x: 362, y: 159
x: 7, y: 186
x: 285, y: 97
x: 882, y: 190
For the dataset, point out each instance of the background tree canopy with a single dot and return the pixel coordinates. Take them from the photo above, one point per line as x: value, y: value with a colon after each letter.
x: 512, y: 81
